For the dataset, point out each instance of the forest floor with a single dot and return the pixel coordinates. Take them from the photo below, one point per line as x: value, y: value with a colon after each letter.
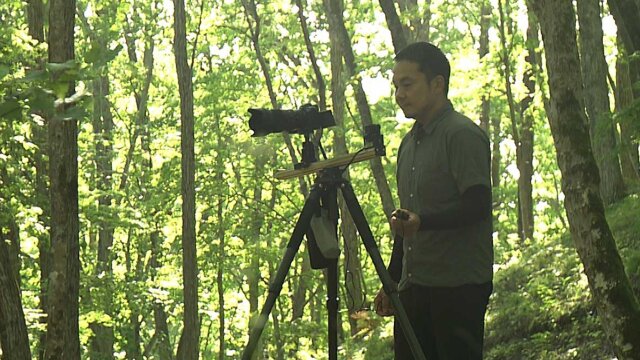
x: 541, y: 307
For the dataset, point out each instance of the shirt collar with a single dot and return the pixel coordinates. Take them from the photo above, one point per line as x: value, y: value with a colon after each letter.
x: 419, y: 130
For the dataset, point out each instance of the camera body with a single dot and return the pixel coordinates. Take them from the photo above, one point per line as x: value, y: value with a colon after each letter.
x: 302, y: 121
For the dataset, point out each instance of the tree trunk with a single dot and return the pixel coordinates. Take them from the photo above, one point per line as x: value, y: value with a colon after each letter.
x: 483, y: 50
x: 189, y: 342
x: 164, y: 349
x: 630, y: 161
x: 254, y: 274
x: 300, y: 293
x: 521, y: 131
x: 159, y: 315
x: 353, y: 276
x: 618, y: 309
x: 132, y: 333
x: 11, y: 235
x: 352, y: 266
x: 626, y: 14
x: 525, y: 162
x: 496, y: 159
x: 490, y: 124
x: 220, y: 271
x: 63, y: 340
x: 336, y: 17
x: 102, y: 341
x: 594, y: 73
x: 418, y: 28
x: 320, y: 84
x: 398, y: 36
x: 14, y: 339
x: 299, y: 300
x: 627, y: 17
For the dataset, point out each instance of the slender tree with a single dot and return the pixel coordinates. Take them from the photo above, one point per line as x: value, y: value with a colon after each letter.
x: 483, y: 51
x: 525, y: 160
x: 594, y: 73
x: 63, y: 341
x: 14, y: 339
x: 496, y: 156
x: 221, y: 234
x: 361, y: 100
x: 398, y: 35
x: 189, y: 341
x: 627, y: 17
x: 521, y: 125
x: 618, y: 309
x: 300, y: 292
x: 626, y: 14
x: 353, y: 277
x: 161, y: 331
x: 629, y: 159
x: 417, y: 28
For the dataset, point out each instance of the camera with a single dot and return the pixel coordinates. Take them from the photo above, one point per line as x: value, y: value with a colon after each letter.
x: 302, y: 121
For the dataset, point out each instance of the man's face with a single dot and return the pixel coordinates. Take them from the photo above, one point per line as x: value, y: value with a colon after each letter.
x: 414, y: 94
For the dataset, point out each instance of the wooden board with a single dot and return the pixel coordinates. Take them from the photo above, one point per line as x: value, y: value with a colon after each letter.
x: 337, y: 161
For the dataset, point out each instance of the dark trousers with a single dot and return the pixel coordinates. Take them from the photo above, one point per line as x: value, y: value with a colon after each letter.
x: 448, y: 321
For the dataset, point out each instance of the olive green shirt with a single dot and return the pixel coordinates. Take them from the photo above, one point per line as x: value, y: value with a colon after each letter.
x: 436, y: 164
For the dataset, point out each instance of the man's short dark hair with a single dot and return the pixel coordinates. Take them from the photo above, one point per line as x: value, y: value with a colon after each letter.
x: 430, y: 59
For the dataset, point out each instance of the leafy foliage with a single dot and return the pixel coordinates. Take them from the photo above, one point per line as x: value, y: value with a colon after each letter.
x: 541, y: 307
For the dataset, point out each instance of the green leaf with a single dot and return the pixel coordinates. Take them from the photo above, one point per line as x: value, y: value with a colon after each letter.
x: 93, y: 55
x: 60, y: 88
x: 99, y: 56
x: 58, y: 67
x: 41, y: 101
x: 75, y: 113
x: 38, y: 75
x: 4, y: 71
x: 10, y: 109
x: 112, y: 53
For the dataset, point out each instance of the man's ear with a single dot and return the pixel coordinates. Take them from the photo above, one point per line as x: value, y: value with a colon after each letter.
x: 439, y: 83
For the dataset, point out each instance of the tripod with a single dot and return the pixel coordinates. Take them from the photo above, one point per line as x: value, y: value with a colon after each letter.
x: 324, y: 195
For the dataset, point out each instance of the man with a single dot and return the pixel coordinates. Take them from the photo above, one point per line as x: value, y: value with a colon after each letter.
x: 443, y: 254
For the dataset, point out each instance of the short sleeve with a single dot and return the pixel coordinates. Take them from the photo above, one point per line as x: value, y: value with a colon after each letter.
x: 469, y: 158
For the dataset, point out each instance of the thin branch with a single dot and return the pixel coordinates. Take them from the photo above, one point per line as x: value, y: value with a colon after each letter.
x: 195, y: 41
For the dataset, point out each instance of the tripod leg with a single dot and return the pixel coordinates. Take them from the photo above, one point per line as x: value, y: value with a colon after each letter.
x: 310, y: 207
x: 330, y: 202
x: 387, y: 283
x: 332, y: 308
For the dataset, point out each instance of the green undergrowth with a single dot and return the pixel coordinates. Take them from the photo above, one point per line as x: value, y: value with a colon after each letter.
x: 542, y: 308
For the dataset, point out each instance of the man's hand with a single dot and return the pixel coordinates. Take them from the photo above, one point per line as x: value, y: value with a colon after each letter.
x: 404, y: 223
x: 382, y: 304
